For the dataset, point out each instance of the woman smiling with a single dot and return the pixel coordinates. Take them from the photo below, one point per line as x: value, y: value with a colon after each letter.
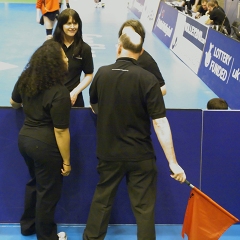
x: 68, y: 33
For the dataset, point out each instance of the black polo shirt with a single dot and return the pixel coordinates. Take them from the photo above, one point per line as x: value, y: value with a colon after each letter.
x: 218, y: 16
x: 202, y: 11
x: 49, y: 109
x: 77, y: 64
x: 127, y: 96
x: 148, y: 63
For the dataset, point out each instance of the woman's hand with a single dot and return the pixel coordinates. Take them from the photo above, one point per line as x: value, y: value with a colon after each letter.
x: 73, y: 97
x: 65, y: 171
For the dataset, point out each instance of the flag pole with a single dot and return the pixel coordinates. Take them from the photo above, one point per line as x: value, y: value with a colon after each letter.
x: 189, y: 184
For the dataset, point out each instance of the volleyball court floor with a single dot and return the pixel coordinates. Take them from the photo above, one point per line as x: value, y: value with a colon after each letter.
x: 21, y: 35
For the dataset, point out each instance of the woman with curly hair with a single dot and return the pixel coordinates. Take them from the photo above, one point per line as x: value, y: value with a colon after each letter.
x: 68, y: 33
x: 44, y: 139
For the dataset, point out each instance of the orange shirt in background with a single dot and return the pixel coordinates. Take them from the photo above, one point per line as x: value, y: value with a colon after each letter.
x: 47, y: 5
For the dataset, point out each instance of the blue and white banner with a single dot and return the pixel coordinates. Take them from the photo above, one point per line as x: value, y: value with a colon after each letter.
x: 165, y: 23
x: 195, y: 32
x: 220, y: 67
x: 189, y: 40
x: 137, y: 7
x: 149, y: 14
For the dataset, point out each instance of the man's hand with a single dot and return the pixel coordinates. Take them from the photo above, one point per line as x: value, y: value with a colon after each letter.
x: 177, y: 172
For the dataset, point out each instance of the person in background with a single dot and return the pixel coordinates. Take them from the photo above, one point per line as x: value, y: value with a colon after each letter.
x: 68, y: 33
x: 202, y: 9
x: 125, y: 96
x: 50, y: 11
x: 99, y: 3
x: 218, y: 17
x: 217, y: 6
x: 67, y: 3
x: 191, y: 4
x: 145, y: 60
x: 217, y: 103
x: 44, y: 139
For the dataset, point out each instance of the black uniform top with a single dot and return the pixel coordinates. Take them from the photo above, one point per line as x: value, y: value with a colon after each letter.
x: 43, y: 112
x: 127, y: 96
x: 148, y: 63
x: 202, y: 11
x: 192, y: 2
x: 220, y: 8
x: 218, y: 16
x: 77, y: 64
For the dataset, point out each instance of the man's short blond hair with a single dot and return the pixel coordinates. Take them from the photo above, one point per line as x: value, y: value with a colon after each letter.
x: 131, y: 41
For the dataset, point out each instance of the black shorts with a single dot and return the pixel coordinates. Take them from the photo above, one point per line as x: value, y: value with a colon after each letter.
x: 51, y: 15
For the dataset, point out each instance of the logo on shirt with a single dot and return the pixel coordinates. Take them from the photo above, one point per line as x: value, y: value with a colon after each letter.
x: 118, y: 69
x: 77, y: 57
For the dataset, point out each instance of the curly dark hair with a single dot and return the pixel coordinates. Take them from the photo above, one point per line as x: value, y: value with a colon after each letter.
x: 45, y: 69
x: 58, y: 34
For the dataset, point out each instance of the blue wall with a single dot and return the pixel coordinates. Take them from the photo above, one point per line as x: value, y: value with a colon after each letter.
x: 206, y: 144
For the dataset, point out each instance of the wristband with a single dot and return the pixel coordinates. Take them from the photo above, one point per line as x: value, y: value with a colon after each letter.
x: 67, y: 164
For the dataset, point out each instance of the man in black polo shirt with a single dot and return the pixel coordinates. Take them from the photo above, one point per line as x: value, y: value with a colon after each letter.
x: 202, y: 9
x: 217, y: 17
x: 125, y: 97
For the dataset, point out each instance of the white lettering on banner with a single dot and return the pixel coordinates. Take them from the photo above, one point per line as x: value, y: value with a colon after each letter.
x: 222, y: 56
x: 218, y: 70
x: 138, y: 6
x: 195, y: 32
x: 164, y: 27
x: 236, y: 73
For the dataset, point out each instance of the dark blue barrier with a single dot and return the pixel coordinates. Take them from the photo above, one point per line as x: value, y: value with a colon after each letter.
x: 79, y: 187
x: 221, y: 159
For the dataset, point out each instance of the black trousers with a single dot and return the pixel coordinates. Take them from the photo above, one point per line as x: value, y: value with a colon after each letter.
x: 43, y: 191
x: 141, y: 178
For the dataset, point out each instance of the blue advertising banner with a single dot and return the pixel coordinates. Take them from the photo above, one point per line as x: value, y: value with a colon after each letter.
x: 137, y: 7
x: 220, y: 67
x: 165, y: 23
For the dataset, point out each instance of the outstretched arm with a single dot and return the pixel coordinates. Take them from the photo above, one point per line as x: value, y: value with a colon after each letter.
x: 164, y: 135
x: 209, y: 21
x: 194, y: 7
x: 80, y: 87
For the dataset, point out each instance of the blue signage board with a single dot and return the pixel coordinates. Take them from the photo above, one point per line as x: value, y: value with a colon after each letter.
x: 220, y: 67
x: 165, y: 23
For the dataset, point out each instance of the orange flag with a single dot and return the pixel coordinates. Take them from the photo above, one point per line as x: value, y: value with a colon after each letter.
x: 204, y: 218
